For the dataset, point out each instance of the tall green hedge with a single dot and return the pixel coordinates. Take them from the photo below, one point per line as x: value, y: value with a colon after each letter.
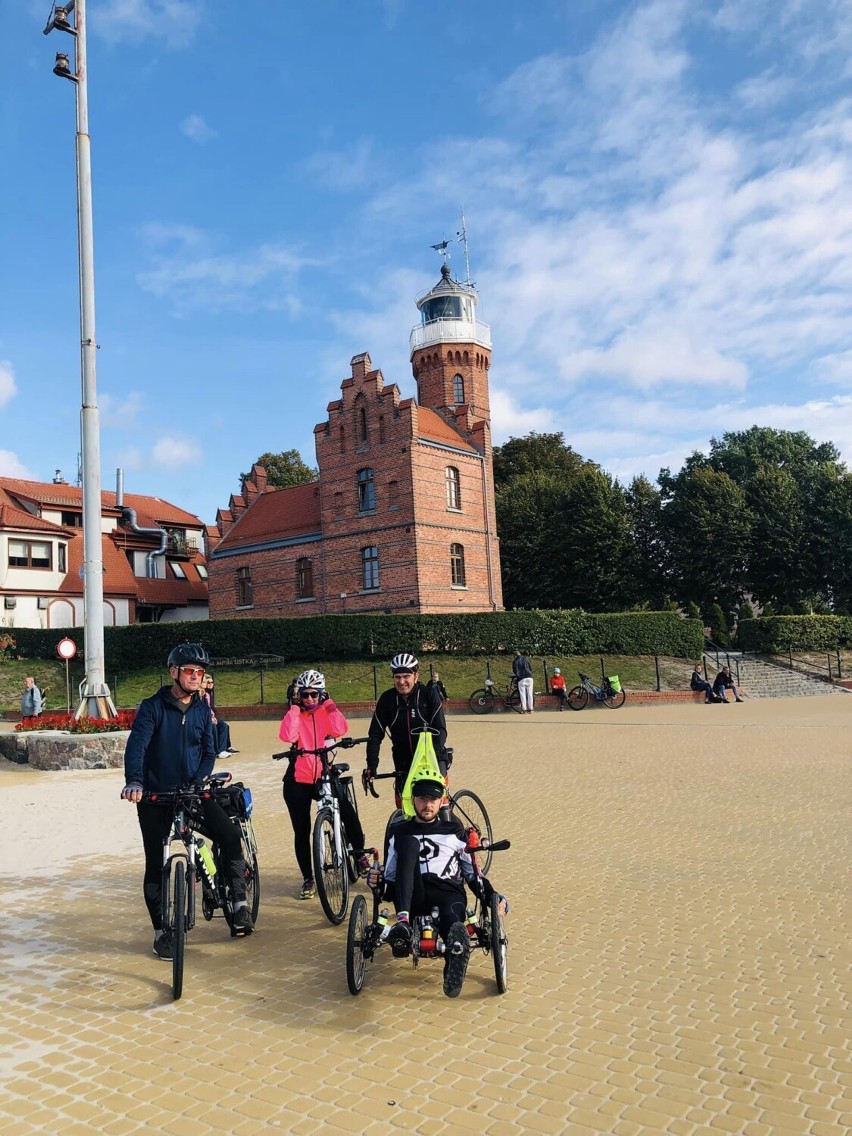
x: 363, y: 636
x: 777, y: 633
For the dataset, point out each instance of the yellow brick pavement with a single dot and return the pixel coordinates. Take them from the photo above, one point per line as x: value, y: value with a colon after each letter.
x: 679, y: 958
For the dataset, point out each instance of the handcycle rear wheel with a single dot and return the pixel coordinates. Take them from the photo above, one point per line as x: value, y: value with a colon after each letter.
x: 578, y: 698
x: 469, y: 809
x: 175, y: 922
x: 356, y: 959
x: 499, y: 946
x: 615, y: 699
x: 330, y: 874
x: 481, y: 702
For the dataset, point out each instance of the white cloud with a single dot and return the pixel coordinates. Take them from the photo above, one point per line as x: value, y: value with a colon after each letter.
x: 8, y: 388
x: 174, y: 21
x: 12, y: 466
x: 175, y: 452
x: 510, y: 420
x: 196, y: 129
x: 121, y: 414
x: 350, y: 168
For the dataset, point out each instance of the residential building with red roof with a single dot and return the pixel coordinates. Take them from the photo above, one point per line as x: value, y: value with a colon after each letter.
x: 401, y: 517
x: 155, y: 569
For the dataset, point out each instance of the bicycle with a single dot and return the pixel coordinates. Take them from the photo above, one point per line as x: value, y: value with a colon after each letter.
x: 335, y: 862
x: 485, y: 926
x: 483, y: 701
x: 609, y: 692
x: 217, y: 893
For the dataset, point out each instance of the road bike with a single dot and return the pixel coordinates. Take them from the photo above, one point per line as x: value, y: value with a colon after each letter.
x: 483, y: 701
x: 609, y: 693
x: 335, y: 860
x: 485, y: 927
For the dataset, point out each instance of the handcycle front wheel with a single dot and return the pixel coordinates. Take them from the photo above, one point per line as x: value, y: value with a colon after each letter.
x: 615, y: 699
x: 175, y: 922
x: 578, y: 698
x: 481, y: 702
x: 330, y: 873
x: 469, y: 809
x: 499, y: 946
x: 356, y: 959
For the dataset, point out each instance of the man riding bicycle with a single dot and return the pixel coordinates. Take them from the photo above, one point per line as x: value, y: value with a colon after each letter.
x: 405, y: 711
x: 171, y: 746
x: 427, y: 868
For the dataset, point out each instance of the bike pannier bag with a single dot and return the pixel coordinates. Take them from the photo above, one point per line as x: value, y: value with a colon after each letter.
x: 614, y: 683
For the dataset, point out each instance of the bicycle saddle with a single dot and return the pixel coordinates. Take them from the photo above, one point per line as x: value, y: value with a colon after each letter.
x: 342, y: 766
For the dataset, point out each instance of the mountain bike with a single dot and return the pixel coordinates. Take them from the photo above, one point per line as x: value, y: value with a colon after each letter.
x: 217, y: 893
x: 484, y: 701
x: 609, y: 693
x: 485, y: 926
x: 335, y: 860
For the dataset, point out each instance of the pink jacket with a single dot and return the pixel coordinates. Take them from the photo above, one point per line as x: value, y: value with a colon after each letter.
x: 309, y: 729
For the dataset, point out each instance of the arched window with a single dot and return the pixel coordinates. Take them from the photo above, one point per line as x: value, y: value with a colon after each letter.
x: 304, y: 578
x: 458, y: 389
x: 245, y: 592
x: 457, y: 576
x: 453, y: 483
x: 370, y: 567
x: 366, y: 491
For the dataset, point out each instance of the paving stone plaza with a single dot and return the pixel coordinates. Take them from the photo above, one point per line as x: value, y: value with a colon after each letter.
x: 679, y: 949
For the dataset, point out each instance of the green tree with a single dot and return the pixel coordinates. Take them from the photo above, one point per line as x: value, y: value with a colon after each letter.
x: 718, y: 626
x: 285, y: 469
x: 645, y: 514
x: 536, y: 453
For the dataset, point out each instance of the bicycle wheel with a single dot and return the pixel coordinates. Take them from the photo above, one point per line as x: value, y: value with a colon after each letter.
x: 615, y: 698
x: 472, y: 813
x: 330, y: 875
x: 351, y: 864
x: 481, y: 702
x: 252, y: 872
x: 356, y: 960
x: 499, y: 947
x: 513, y: 700
x: 175, y: 922
x: 578, y: 698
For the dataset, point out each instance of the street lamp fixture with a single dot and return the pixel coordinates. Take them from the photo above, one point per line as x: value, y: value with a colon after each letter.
x: 63, y: 68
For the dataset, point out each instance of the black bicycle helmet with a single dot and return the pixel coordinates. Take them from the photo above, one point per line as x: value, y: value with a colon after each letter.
x: 187, y: 653
x: 428, y: 787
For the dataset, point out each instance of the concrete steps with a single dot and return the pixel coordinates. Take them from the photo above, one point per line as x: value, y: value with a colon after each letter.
x: 761, y: 679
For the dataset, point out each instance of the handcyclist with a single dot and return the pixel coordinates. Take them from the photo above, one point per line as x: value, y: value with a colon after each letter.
x: 170, y: 747
x: 405, y: 711
x: 427, y: 868
x: 312, y: 722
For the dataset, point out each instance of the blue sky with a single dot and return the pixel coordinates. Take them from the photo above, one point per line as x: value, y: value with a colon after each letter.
x: 657, y: 193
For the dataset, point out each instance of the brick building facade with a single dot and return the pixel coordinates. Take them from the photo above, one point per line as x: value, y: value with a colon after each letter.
x: 401, y: 517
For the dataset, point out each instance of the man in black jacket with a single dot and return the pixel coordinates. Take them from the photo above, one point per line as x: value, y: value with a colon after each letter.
x: 405, y: 711
x: 171, y: 746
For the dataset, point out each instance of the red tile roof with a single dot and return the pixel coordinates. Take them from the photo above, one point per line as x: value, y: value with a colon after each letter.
x: 276, y: 514
x: 19, y: 519
x: 154, y: 509
x: 434, y: 428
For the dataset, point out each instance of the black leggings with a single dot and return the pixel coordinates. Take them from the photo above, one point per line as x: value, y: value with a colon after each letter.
x: 297, y: 798
x: 418, y: 895
x: 155, y: 822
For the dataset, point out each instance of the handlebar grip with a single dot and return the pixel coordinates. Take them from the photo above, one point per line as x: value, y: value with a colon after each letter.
x: 279, y: 756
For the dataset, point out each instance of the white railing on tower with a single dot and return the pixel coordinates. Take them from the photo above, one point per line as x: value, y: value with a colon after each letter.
x: 450, y: 331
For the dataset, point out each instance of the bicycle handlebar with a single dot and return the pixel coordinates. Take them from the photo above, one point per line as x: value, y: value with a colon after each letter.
x: 320, y: 751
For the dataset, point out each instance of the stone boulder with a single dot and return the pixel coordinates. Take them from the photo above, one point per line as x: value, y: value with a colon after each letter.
x: 52, y: 749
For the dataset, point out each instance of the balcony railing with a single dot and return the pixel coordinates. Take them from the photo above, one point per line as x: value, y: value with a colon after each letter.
x: 450, y: 331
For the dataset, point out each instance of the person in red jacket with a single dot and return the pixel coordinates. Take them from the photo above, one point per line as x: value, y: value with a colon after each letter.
x: 312, y: 722
x: 557, y: 686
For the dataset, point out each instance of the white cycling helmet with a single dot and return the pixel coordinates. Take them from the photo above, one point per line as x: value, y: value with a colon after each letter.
x: 404, y: 662
x: 557, y: 671
x: 310, y: 680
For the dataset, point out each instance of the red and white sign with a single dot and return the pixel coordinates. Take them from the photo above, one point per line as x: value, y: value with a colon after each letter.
x: 66, y: 649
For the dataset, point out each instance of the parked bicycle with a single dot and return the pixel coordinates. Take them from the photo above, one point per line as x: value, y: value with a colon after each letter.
x: 334, y: 858
x: 609, y: 693
x: 181, y: 868
x: 484, y: 701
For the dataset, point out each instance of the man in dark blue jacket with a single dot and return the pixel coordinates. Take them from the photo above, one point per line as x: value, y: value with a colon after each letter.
x: 170, y: 746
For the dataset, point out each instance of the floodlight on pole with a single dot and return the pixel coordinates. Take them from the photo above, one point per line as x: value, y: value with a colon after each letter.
x: 95, y: 699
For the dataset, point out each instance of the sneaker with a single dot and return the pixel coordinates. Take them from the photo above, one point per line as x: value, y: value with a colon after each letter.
x: 231, y: 749
x: 242, y: 920
x: 456, y: 951
x: 308, y: 889
x: 399, y: 938
x: 163, y: 947
x: 223, y: 753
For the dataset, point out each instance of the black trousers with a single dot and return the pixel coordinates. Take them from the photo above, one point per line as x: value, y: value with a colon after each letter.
x: 298, y: 797
x: 418, y: 895
x: 156, y: 820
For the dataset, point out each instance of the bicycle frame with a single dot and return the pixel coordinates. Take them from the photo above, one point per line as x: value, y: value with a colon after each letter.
x: 181, y: 832
x: 327, y: 799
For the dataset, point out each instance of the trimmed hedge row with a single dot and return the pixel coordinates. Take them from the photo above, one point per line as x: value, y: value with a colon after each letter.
x: 778, y: 633
x: 364, y: 636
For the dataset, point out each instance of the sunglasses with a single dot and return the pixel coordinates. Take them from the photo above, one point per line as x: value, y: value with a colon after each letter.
x: 191, y: 670
x: 309, y: 694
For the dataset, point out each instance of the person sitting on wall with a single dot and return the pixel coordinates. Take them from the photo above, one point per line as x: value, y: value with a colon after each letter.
x: 557, y: 687
x: 698, y: 682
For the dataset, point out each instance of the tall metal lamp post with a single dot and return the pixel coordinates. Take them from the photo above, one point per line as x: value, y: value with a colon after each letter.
x: 95, y: 697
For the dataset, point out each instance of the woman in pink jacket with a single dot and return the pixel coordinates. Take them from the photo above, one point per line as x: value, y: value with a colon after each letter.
x: 312, y: 722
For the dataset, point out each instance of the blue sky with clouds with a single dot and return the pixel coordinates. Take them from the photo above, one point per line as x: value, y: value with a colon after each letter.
x: 657, y: 193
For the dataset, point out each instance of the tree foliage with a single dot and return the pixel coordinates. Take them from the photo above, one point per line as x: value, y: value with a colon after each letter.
x: 285, y: 469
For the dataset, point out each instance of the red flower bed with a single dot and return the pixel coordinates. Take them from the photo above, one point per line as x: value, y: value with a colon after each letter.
x: 83, y: 725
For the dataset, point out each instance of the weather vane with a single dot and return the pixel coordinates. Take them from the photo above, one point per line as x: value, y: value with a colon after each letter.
x: 443, y: 248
